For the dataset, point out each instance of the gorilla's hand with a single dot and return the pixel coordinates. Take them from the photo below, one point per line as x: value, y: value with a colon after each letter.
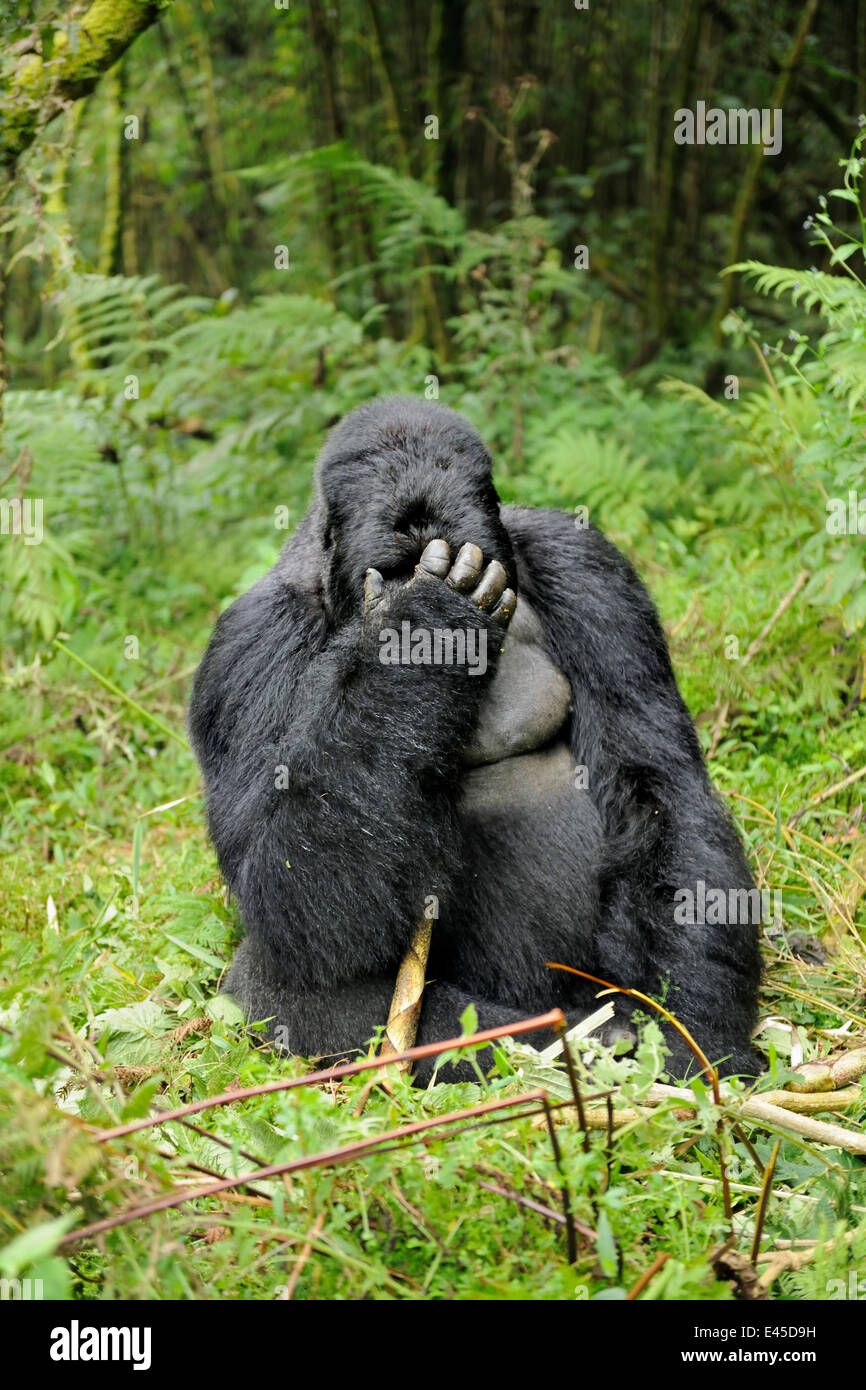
x: 486, y: 591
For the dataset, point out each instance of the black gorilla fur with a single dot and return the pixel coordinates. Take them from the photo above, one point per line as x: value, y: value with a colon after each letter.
x: 332, y: 869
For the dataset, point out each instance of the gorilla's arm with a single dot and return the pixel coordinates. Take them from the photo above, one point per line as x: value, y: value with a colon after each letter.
x: 330, y: 776
x: 664, y: 827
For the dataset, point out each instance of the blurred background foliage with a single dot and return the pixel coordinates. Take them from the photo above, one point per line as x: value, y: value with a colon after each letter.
x: 244, y: 230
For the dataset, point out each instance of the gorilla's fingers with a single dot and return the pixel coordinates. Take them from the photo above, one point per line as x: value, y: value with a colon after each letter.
x: 374, y: 589
x: 436, y: 559
x: 493, y: 581
x: 466, y: 568
x: 504, y: 609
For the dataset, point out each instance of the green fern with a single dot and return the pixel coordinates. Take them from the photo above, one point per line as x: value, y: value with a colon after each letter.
x: 839, y: 300
x: 124, y: 319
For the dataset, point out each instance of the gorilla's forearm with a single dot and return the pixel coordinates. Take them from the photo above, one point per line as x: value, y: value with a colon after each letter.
x: 331, y: 777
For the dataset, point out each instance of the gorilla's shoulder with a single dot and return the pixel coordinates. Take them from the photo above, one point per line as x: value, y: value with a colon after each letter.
x: 544, y: 536
x: 287, y: 600
x: 279, y: 621
x: 248, y: 677
x: 583, y: 588
x: 299, y: 567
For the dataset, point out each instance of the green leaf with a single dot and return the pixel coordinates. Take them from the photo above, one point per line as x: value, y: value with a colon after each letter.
x: 198, y: 951
x: 844, y: 253
x: 133, y: 1035
x: 606, y: 1245
x: 224, y: 1007
x: 846, y: 575
x: 34, y: 1244
x: 469, y: 1020
x: 855, y: 608
x: 139, y: 1102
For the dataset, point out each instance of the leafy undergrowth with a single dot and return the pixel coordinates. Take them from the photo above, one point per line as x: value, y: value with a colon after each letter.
x: 117, y: 933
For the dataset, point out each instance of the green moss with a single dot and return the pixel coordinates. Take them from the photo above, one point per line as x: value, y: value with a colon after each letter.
x: 33, y: 94
x: 105, y: 32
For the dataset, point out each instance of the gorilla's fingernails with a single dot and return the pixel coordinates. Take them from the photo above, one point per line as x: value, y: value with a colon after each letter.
x: 374, y: 588
x: 466, y: 567
x: 504, y: 609
x: 436, y: 559
x: 493, y: 581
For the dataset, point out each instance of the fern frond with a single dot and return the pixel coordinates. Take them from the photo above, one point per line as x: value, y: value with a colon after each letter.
x: 686, y: 390
x: 839, y: 298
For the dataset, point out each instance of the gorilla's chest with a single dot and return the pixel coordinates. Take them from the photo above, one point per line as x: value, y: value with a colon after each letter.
x: 531, y: 839
x: 525, y: 710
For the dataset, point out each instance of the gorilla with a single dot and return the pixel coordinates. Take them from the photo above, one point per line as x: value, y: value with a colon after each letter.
x: 432, y: 699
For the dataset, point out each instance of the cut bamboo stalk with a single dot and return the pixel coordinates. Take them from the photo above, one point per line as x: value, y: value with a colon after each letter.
x: 402, y: 1026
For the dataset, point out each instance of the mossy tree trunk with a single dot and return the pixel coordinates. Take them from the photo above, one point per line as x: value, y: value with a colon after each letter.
x: 83, y: 44
x: 64, y: 65
x: 116, y: 180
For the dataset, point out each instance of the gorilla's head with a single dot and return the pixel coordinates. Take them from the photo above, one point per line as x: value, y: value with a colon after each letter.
x: 395, y: 473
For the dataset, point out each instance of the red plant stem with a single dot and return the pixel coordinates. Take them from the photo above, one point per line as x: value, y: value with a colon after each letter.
x: 314, y: 1078
x: 343, y: 1154
x: 710, y: 1072
x: 528, y: 1202
x: 640, y: 1284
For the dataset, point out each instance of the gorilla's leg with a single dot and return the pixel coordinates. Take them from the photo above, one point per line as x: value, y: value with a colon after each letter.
x: 336, y: 1022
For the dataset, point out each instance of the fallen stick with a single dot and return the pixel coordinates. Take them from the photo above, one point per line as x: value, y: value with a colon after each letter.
x: 811, y: 1102
x: 777, y: 1109
x: 831, y: 1073
x: 819, y: 1131
x: 783, y: 1260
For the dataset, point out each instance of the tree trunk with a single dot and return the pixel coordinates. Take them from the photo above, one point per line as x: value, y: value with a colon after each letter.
x: 658, y: 293
x: 38, y: 88
x: 111, y: 240
x: 451, y: 65
x: 749, y: 185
